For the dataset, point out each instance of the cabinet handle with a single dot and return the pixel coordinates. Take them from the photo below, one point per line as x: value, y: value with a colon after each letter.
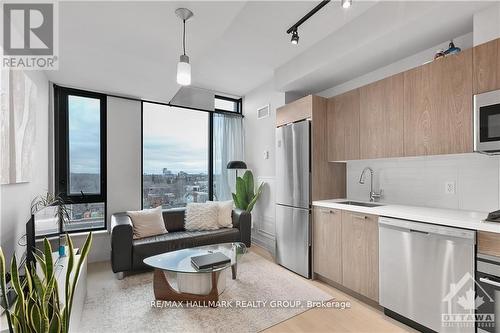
x: 490, y: 282
x: 361, y: 217
x: 324, y: 211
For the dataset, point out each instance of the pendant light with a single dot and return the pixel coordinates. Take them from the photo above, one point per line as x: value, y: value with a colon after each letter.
x: 184, y: 67
x: 295, y: 37
x: 346, y: 4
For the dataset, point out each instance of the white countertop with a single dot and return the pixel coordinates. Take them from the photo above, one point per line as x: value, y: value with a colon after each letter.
x: 447, y: 217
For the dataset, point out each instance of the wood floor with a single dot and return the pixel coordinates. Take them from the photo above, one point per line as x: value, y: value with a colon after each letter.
x: 359, y: 318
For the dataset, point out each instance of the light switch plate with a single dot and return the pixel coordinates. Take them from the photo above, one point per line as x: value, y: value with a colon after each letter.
x: 450, y: 188
x: 266, y: 154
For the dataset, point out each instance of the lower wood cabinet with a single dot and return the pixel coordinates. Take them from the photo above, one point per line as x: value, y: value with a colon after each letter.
x: 327, y: 243
x: 360, y: 253
x: 488, y: 243
x: 345, y: 249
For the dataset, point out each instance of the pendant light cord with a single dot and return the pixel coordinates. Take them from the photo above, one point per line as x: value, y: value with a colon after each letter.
x: 184, y: 37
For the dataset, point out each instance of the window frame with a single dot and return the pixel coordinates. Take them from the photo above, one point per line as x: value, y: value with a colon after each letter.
x: 239, y: 111
x: 61, y: 151
x: 238, y: 102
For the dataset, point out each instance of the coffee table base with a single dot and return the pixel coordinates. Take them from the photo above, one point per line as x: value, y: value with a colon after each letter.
x: 164, y: 291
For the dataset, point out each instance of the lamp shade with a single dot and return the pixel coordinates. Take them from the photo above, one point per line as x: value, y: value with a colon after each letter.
x: 236, y: 165
x: 184, y: 71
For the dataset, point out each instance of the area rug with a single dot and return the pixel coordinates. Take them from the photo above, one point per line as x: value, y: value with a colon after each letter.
x: 125, y: 305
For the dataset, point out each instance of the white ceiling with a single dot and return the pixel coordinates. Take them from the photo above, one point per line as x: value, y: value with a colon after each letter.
x: 132, y: 48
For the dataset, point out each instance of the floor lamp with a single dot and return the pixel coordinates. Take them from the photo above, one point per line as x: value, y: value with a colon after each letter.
x: 237, y: 165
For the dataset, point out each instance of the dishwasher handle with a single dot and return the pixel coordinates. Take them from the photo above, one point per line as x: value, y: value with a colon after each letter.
x: 428, y: 228
x: 419, y: 231
x: 490, y: 282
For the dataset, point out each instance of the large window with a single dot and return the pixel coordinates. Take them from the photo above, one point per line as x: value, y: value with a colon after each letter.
x: 175, y: 156
x: 80, y: 157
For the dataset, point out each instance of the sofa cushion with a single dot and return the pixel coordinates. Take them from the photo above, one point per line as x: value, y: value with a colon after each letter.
x: 201, y: 216
x: 224, y: 213
x: 174, y: 219
x: 147, y: 222
x: 207, y: 237
x: 150, y: 246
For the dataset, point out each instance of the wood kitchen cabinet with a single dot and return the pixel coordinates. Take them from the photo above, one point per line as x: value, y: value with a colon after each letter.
x: 297, y: 110
x: 343, y: 127
x: 327, y: 179
x: 381, y: 118
x: 438, y: 107
x: 360, y: 253
x: 486, y: 66
x: 327, y: 243
x: 488, y: 243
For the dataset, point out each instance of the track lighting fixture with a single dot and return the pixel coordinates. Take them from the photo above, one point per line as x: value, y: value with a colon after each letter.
x: 294, y: 28
x: 346, y: 3
x: 295, y: 37
x: 183, y: 67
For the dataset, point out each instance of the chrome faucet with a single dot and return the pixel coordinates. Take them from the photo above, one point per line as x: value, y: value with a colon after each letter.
x: 373, y: 195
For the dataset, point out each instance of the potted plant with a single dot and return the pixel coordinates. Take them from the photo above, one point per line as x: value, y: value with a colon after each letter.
x: 50, y: 199
x: 246, y: 195
x: 62, y: 212
x: 38, y: 307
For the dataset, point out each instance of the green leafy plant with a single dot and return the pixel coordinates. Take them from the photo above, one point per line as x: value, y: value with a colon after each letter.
x: 62, y: 211
x: 246, y: 195
x: 38, y: 307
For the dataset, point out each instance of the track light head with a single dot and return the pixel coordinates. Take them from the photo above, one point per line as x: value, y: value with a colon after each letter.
x: 295, y: 37
x: 346, y: 3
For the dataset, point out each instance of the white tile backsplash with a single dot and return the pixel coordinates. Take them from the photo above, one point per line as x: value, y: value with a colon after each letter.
x: 421, y: 181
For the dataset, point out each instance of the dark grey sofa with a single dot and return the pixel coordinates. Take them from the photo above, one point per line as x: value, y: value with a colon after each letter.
x: 127, y: 253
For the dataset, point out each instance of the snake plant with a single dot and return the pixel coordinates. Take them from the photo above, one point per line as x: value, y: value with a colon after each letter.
x: 246, y: 195
x: 38, y: 306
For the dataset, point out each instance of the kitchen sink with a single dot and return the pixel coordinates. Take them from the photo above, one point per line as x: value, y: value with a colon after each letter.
x: 355, y: 203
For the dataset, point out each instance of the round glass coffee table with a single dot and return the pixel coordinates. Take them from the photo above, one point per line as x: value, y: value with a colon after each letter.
x: 201, y: 286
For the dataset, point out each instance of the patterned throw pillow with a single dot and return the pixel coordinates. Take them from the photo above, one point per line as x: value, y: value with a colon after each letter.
x: 147, y: 222
x: 201, y: 216
x: 225, y: 212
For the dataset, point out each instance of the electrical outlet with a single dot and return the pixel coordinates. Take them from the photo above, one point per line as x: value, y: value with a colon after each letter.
x: 266, y: 154
x: 450, y: 188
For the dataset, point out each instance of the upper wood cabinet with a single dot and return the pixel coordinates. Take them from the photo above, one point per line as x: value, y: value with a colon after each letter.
x: 327, y: 179
x: 381, y: 118
x: 296, y: 110
x: 327, y: 243
x: 438, y: 107
x: 343, y: 127
x: 487, y: 67
x: 360, y: 253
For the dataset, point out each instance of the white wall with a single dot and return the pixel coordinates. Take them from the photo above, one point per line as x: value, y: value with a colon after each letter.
x: 487, y: 24
x: 422, y: 181
x: 15, y: 199
x: 259, y: 138
x: 124, y: 155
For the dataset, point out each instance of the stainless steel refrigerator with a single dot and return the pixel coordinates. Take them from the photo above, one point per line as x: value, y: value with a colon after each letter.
x: 293, y: 200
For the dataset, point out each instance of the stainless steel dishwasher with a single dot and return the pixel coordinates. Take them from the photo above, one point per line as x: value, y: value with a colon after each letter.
x: 424, y: 270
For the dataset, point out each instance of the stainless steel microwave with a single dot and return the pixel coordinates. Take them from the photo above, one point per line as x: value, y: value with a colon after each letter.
x: 487, y: 122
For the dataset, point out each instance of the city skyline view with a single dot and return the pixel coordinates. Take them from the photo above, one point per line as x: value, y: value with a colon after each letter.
x: 174, y: 138
x: 175, y: 156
